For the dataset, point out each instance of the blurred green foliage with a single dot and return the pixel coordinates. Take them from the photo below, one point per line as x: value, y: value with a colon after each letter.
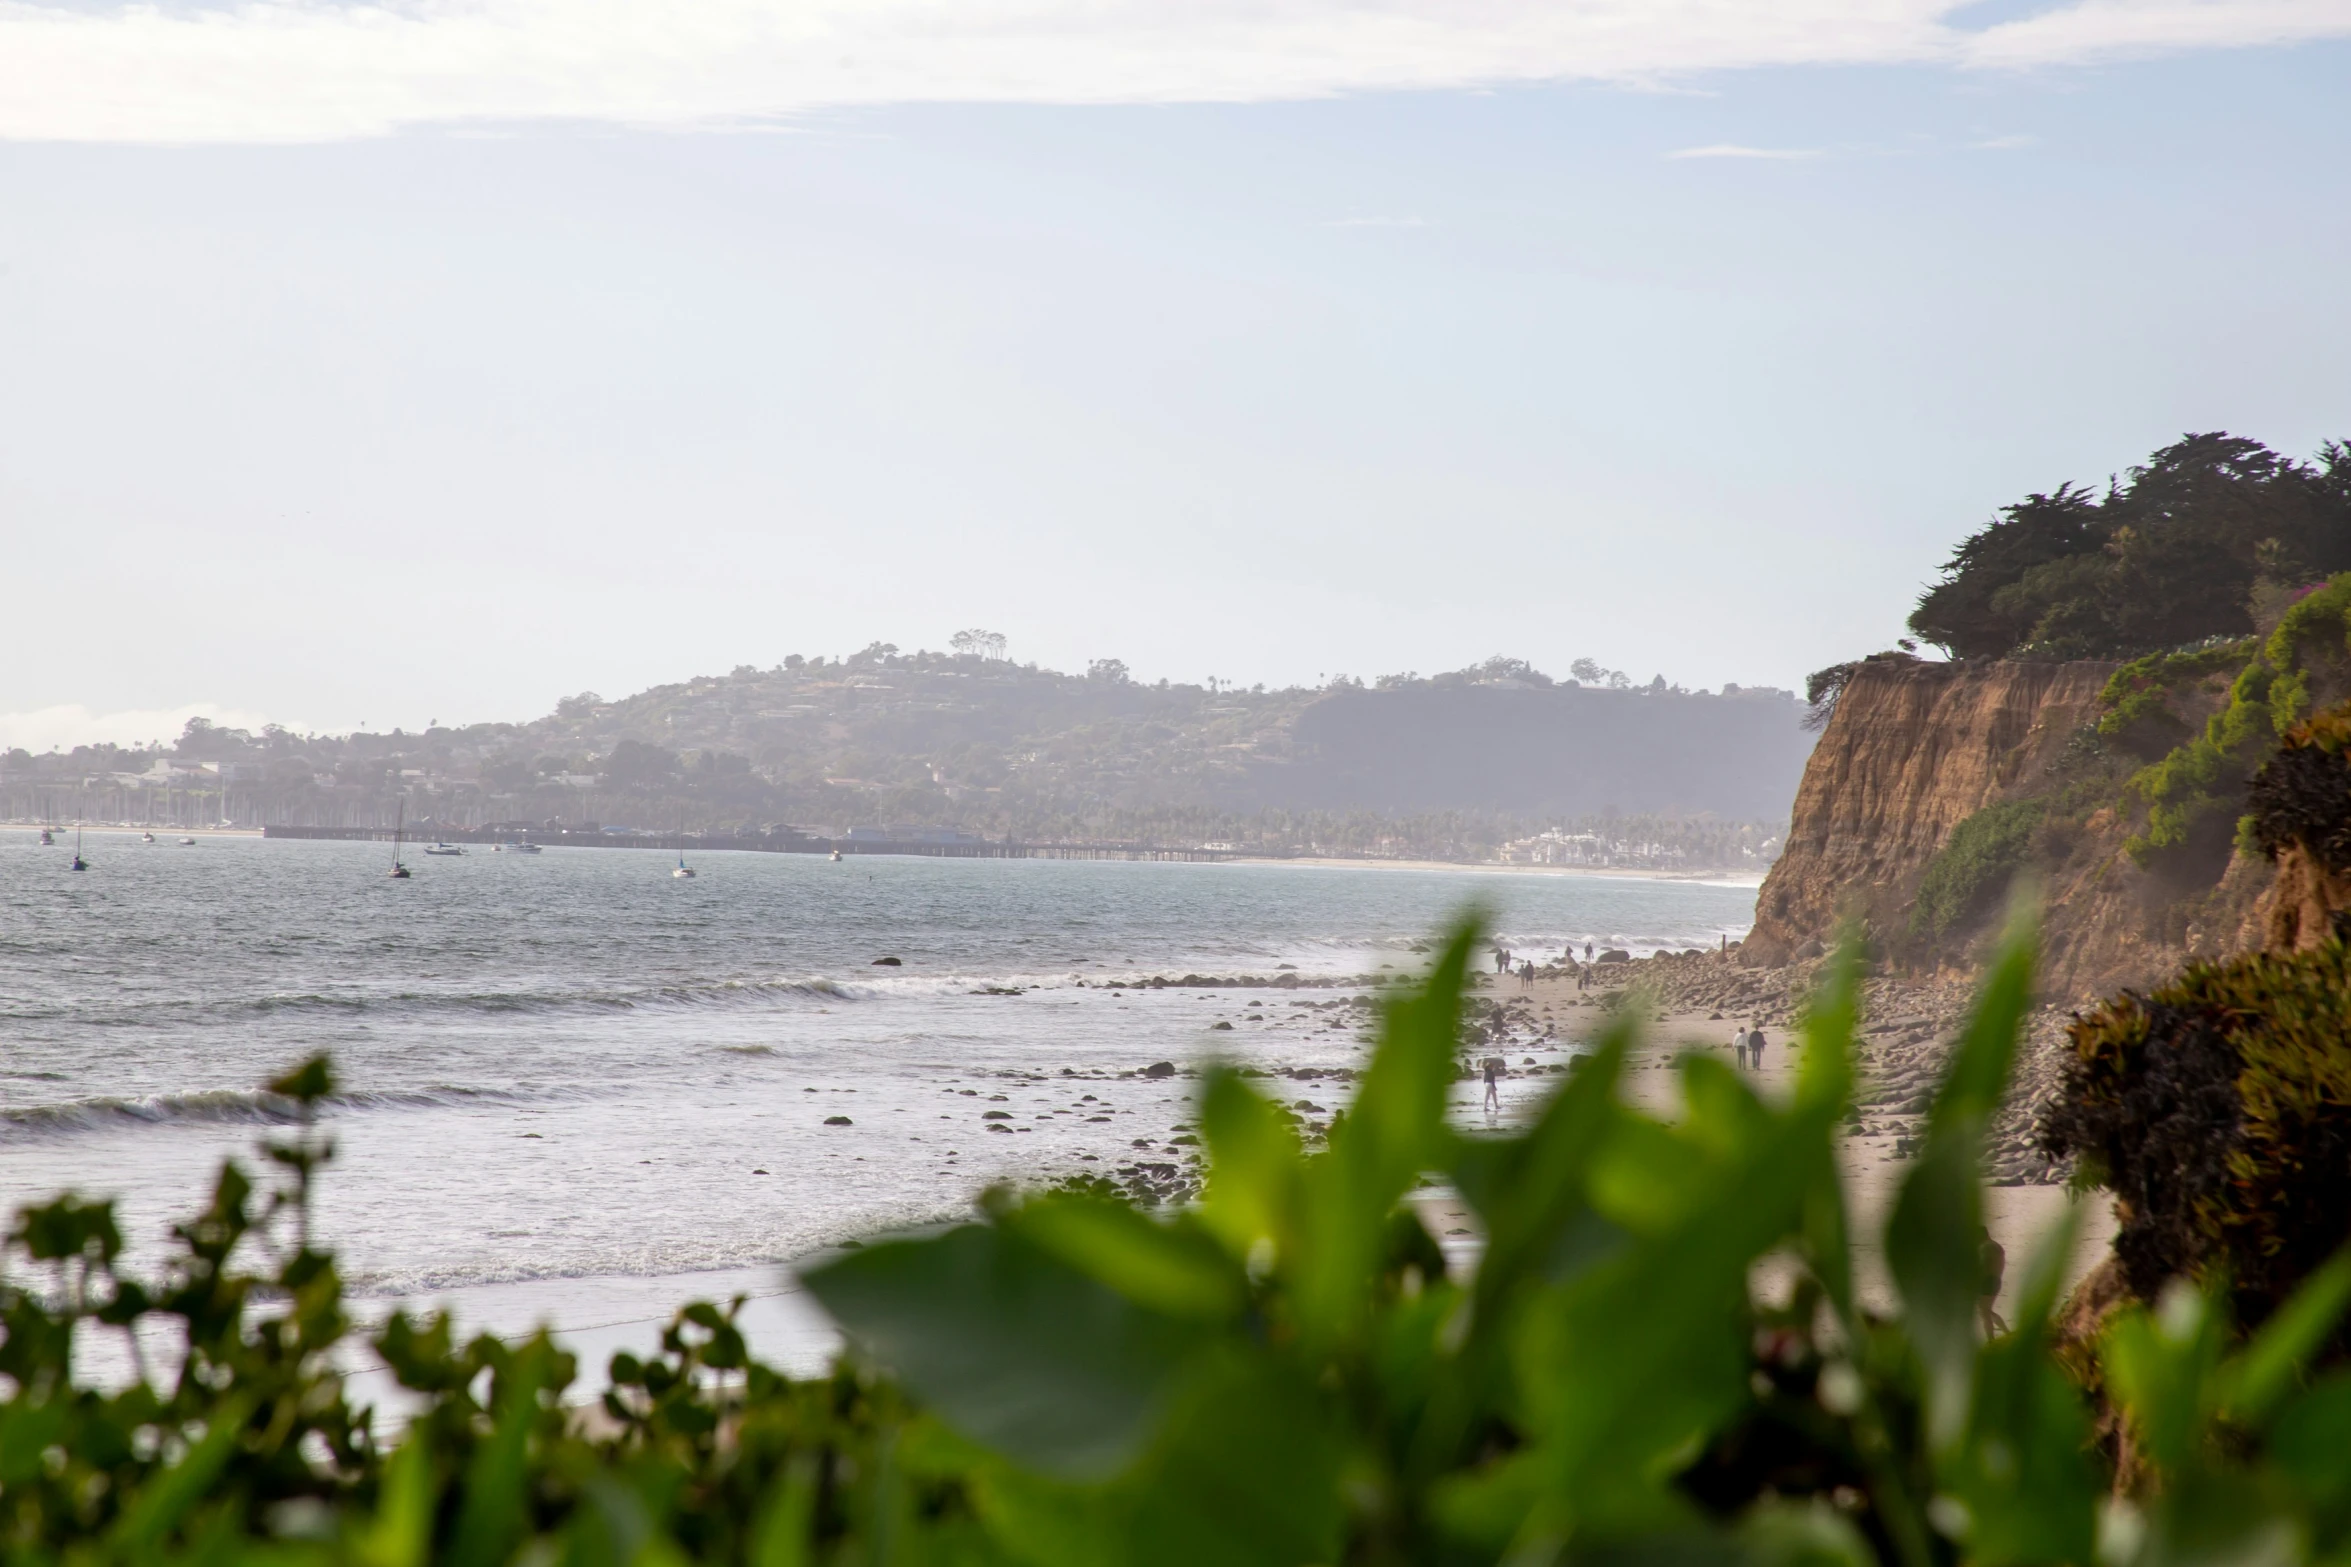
x: 1658, y: 1353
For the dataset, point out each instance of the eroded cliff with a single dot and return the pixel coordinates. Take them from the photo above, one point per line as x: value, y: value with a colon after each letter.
x: 1912, y: 750
x: 1915, y: 750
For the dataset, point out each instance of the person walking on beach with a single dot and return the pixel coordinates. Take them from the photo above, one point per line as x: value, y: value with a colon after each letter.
x: 1994, y: 1258
x: 1493, y: 1084
x: 1755, y: 1048
x: 1739, y: 1046
x: 1526, y: 975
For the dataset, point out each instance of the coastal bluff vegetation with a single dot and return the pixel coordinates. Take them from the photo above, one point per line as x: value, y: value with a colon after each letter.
x: 2122, y: 667
x: 1498, y: 760
x: 2145, y: 711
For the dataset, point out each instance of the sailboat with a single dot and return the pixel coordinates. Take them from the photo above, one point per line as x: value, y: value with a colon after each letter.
x: 79, y: 863
x: 398, y: 870
x: 684, y: 872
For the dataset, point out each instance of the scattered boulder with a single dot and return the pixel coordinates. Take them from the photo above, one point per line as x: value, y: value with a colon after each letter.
x: 1615, y: 955
x: 838, y: 1120
x: 1220, y: 1023
x: 885, y: 963
x: 1161, y: 1068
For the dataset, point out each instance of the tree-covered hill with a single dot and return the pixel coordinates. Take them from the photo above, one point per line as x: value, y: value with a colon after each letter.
x: 1456, y: 765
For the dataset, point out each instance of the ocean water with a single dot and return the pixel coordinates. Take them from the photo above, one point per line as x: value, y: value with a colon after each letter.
x: 573, y: 1066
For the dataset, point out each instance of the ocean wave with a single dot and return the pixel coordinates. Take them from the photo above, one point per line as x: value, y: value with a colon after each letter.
x: 675, y: 1260
x: 714, y: 993
x: 232, y: 1107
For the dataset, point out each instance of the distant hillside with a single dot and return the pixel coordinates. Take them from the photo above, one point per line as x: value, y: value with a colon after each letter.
x: 1457, y: 765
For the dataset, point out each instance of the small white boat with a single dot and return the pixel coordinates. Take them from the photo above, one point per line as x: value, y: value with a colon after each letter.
x: 836, y: 856
x: 146, y: 837
x: 48, y: 838
x: 444, y: 848
x: 514, y: 848
x: 187, y: 843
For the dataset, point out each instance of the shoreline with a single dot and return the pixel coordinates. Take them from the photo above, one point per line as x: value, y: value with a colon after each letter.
x: 595, y: 1315
x: 1720, y: 877
x: 1714, y: 878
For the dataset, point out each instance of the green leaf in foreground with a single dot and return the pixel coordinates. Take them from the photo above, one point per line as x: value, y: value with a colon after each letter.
x: 1934, y: 1236
x: 1015, y: 1347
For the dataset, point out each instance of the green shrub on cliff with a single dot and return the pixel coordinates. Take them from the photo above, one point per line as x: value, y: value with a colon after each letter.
x: 2302, y: 795
x: 1287, y: 1372
x: 2137, y: 701
x: 1972, y: 871
x: 2217, y: 1108
x: 2198, y: 788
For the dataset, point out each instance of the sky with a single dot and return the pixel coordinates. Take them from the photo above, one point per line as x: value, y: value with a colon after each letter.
x: 387, y: 365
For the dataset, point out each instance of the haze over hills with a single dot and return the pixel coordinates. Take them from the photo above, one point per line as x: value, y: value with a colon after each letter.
x: 1457, y: 765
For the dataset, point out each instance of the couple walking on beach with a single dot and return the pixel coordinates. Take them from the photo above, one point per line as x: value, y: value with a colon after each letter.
x: 1748, y: 1046
x: 1505, y: 963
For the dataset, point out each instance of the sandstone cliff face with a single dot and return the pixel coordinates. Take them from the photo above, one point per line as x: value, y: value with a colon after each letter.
x: 1913, y: 750
x: 1916, y: 748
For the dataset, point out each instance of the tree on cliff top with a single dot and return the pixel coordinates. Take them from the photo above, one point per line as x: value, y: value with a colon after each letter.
x: 2182, y: 548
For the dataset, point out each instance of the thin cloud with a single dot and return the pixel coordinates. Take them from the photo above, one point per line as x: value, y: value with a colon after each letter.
x: 2003, y: 143
x: 1734, y: 150
x: 64, y: 727
x: 2108, y: 29
x: 1375, y: 223
x: 309, y: 70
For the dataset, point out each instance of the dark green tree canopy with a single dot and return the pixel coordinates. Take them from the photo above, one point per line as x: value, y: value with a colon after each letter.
x: 2189, y: 545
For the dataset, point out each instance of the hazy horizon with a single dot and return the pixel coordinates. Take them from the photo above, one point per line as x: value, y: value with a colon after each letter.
x: 436, y: 382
